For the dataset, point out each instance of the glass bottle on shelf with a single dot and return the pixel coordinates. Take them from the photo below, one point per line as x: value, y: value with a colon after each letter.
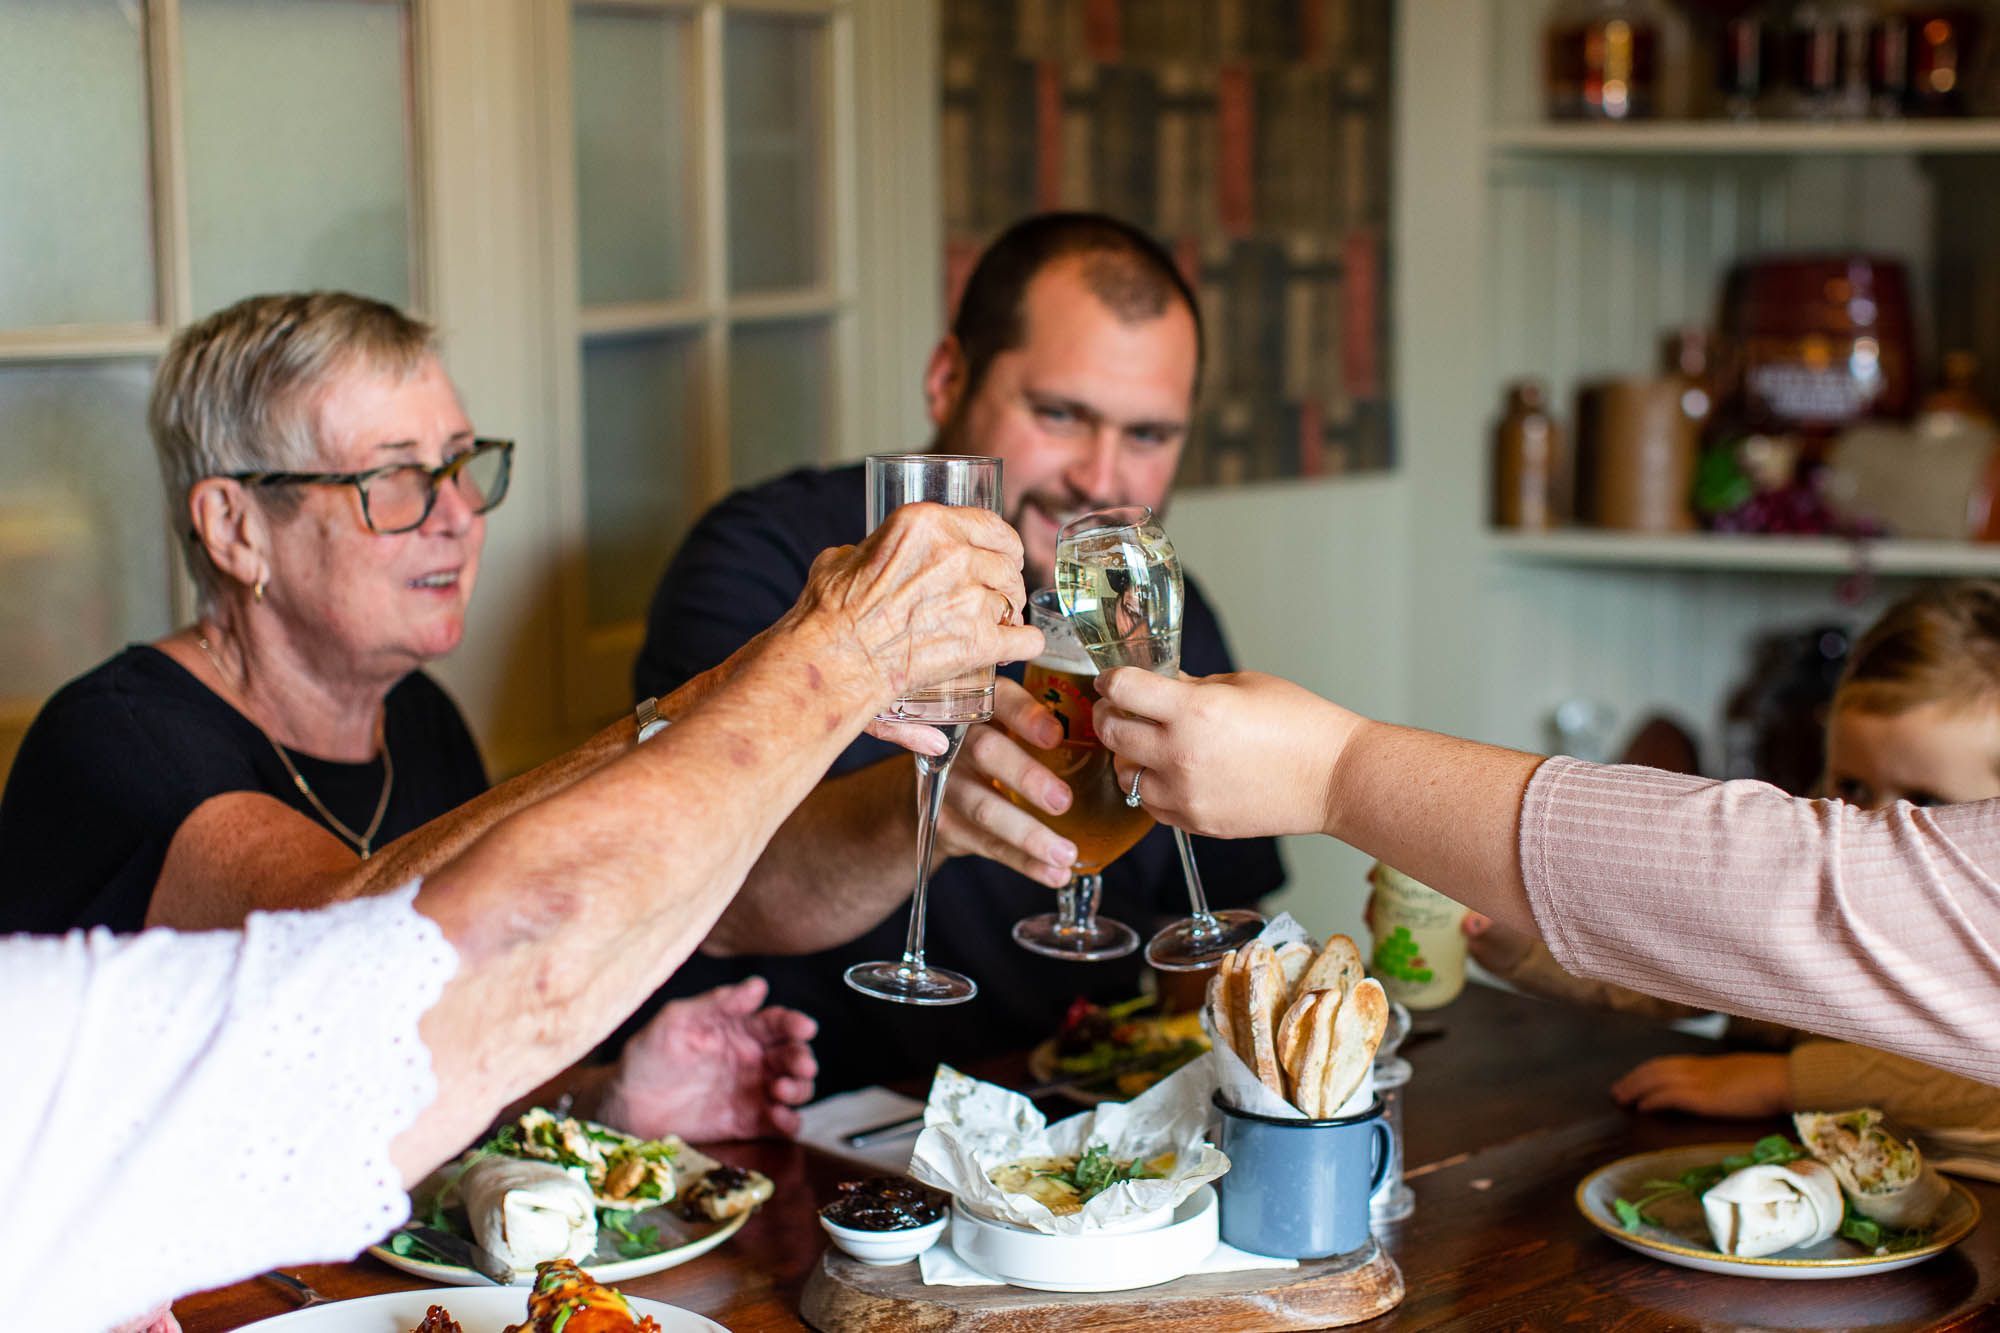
x: 1888, y: 66
x: 1531, y: 473
x: 1603, y: 60
x: 1857, y: 21
x: 1957, y: 394
x: 1940, y: 41
x: 1816, y: 42
x: 1746, y: 62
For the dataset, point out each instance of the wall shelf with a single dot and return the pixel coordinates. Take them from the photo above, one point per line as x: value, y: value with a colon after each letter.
x: 1752, y: 554
x: 1728, y: 138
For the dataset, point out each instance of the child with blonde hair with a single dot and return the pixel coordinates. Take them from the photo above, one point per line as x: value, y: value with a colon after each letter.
x: 1916, y: 718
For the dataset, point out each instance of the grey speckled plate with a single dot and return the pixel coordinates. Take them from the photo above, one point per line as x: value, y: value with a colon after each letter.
x: 1682, y: 1236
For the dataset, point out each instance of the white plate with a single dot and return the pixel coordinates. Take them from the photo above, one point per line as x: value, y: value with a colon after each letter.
x: 696, y: 1239
x: 482, y: 1311
x: 1119, y: 1262
x: 1683, y: 1238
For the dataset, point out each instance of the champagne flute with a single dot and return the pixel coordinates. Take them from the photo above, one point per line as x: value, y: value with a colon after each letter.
x: 1098, y: 820
x: 1120, y: 584
x: 953, y: 479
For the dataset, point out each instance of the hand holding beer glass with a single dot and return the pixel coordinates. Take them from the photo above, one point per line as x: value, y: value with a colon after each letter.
x: 1098, y: 821
x: 894, y: 480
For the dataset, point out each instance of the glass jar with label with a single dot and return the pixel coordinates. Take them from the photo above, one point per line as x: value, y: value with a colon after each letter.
x: 1419, y: 954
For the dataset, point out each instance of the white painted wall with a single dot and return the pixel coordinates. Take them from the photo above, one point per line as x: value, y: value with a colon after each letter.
x: 1310, y: 581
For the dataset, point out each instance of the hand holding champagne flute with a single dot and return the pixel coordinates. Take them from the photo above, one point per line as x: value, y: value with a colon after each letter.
x: 895, y: 480
x: 1120, y: 584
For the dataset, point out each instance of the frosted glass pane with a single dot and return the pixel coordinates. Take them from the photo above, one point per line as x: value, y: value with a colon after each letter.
x: 640, y: 431
x: 75, y: 202
x: 780, y: 398
x: 83, y: 547
x: 298, y: 134
x: 775, y: 124
x: 634, y: 125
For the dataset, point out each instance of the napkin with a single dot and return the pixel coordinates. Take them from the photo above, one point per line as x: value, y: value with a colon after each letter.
x: 827, y: 1122
x: 972, y: 1127
x: 943, y: 1268
x: 1238, y: 1082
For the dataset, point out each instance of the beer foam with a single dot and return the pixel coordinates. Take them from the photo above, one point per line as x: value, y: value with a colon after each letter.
x: 1078, y: 664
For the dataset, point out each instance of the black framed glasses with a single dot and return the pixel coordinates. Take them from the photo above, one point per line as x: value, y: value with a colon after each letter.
x: 399, y: 497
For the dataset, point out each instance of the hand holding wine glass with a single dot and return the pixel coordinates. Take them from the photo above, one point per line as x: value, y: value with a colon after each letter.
x: 932, y: 589
x: 1245, y: 755
x: 896, y: 482
x: 1121, y: 586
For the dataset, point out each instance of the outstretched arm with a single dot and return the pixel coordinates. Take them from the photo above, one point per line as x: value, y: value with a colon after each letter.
x: 846, y: 857
x: 1879, y: 927
x: 244, y: 851
x: 328, y: 1058
x: 571, y: 910
x: 1249, y: 755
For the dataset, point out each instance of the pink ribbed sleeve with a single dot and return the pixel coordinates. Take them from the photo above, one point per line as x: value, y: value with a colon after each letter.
x: 1882, y: 928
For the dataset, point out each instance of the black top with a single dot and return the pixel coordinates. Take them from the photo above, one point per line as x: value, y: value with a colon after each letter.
x: 741, y: 568
x: 120, y: 756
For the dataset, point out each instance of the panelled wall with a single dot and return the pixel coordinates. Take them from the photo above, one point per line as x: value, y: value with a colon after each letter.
x: 1588, y: 263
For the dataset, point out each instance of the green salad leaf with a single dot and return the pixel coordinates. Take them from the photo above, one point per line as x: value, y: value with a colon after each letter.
x: 1878, y: 1239
x: 402, y: 1243
x: 630, y: 1243
x: 1097, y: 1171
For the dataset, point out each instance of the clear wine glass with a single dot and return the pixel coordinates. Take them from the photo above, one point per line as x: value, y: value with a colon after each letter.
x: 952, y: 479
x: 1098, y: 820
x: 1120, y: 584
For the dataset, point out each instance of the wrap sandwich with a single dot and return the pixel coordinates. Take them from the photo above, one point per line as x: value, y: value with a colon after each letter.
x: 1886, y: 1177
x: 1763, y: 1209
x: 527, y: 1212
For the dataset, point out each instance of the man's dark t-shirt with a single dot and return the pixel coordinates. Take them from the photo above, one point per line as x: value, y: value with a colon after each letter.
x: 741, y: 568
x: 120, y: 756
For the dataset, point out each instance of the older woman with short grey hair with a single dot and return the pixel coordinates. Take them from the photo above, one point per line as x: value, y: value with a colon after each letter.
x: 287, y: 750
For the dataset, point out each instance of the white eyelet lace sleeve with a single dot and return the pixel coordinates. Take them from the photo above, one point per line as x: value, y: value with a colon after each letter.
x: 191, y: 1109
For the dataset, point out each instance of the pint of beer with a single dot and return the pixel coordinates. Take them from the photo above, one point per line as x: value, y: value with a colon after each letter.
x: 1098, y: 821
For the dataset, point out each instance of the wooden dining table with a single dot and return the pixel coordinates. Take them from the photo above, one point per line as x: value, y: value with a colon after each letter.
x: 1507, y: 1109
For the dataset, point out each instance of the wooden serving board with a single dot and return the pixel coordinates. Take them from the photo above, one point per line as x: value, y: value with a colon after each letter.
x: 844, y: 1294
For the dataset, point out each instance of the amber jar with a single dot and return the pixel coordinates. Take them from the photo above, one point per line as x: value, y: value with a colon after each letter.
x: 1942, y: 39
x: 1602, y: 60
x: 1531, y: 472
x: 1636, y: 451
x: 1813, y: 342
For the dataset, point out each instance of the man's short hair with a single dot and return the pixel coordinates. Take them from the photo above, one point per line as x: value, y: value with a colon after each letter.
x: 235, y: 391
x: 1129, y: 271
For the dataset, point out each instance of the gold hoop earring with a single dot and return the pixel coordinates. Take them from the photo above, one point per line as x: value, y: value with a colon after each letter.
x: 257, y: 593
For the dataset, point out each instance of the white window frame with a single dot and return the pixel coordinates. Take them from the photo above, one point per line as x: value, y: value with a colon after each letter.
x: 601, y: 656
x: 172, y: 255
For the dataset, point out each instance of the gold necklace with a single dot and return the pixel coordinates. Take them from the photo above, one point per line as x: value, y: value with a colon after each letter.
x: 363, y: 842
